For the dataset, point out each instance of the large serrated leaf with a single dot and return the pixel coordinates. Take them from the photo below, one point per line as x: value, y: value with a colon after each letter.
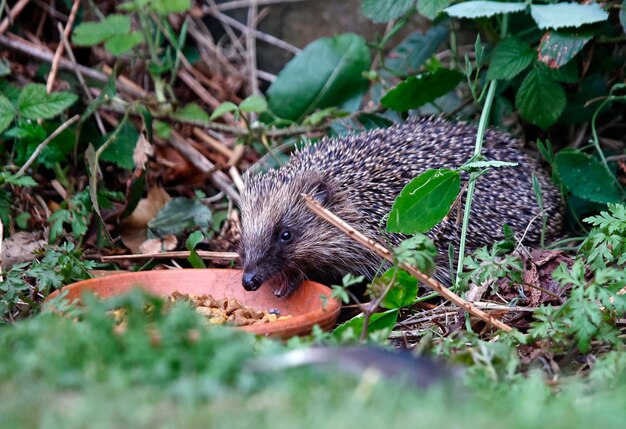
x: 419, y: 90
x: 557, y: 49
x: 35, y: 103
x: 586, y: 177
x: 567, y: 74
x: 561, y: 15
x: 326, y: 73
x: 483, y: 9
x: 386, y: 10
x: 540, y: 100
x: 7, y: 113
x: 92, y: 33
x: 412, y: 52
x: 424, y: 201
x: 510, y: 57
x: 432, y: 8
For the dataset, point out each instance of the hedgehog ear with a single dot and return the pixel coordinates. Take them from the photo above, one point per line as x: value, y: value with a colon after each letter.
x: 321, y: 192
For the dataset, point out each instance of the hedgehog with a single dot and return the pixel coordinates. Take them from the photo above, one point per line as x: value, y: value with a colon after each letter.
x: 358, y: 177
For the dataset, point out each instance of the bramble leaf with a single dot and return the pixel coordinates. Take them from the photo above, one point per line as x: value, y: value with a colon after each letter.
x: 510, y: 57
x: 35, y: 103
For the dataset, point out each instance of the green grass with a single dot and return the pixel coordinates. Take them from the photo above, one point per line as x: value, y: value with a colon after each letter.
x: 60, y: 373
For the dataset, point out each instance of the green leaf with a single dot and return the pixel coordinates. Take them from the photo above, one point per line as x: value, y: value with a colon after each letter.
x: 192, y: 241
x: 386, y: 10
x: 177, y: 216
x: 419, y: 90
x: 7, y: 113
x: 93, y: 33
x: 192, y: 112
x: 162, y: 129
x: 35, y: 103
x: 403, y: 291
x: 222, y: 109
x: 120, y: 150
x: 24, y: 181
x: 170, y: 6
x: 557, y: 49
x: 418, y: 251
x: 326, y: 73
x: 5, y: 67
x: 561, y: 15
x: 432, y: 8
x: 424, y: 201
x: 510, y: 57
x: 378, y: 321
x: 483, y: 9
x: 409, y: 56
x: 586, y: 177
x: 122, y: 43
x: 254, y: 103
x: 540, y: 100
x: 22, y: 219
x: 566, y: 74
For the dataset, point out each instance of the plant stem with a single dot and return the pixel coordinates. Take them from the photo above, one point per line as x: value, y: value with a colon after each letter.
x: 596, y: 139
x: 482, y: 125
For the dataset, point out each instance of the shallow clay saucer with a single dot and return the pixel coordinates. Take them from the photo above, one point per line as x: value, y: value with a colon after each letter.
x: 305, y: 306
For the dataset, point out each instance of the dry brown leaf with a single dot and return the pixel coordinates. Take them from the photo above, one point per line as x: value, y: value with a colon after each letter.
x: 539, y: 269
x: 157, y: 245
x: 20, y: 247
x: 134, y: 228
x: 143, y: 151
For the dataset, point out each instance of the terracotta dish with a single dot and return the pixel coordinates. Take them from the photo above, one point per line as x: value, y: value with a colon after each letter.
x: 305, y: 305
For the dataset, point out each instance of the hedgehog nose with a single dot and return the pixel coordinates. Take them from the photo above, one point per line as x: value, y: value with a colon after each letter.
x: 251, y: 281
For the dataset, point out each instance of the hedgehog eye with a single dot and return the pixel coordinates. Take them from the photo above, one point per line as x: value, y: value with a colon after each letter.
x: 285, y: 235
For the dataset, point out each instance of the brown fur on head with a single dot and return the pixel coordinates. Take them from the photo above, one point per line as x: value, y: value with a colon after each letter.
x: 283, y: 243
x: 280, y: 236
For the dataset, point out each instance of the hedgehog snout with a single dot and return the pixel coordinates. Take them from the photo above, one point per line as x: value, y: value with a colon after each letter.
x: 251, y: 281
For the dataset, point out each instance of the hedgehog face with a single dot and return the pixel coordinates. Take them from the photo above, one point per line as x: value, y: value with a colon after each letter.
x: 276, y: 227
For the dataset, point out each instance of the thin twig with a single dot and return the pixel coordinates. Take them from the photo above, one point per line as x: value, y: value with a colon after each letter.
x: 43, y: 144
x: 44, y: 54
x: 80, y: 77
x: 237, y: 131
x: 59, y: 52
x: 239, y: 4
x: 229, y: 31
x: 253, y: 78
x: 519, y: 242
x: 204, y: 254
x: 385, y: 253
x: 205, y: 166
x: 255, y: 33
x: 213, y: 143
x: 198, y: 89
x: 8, y: 20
